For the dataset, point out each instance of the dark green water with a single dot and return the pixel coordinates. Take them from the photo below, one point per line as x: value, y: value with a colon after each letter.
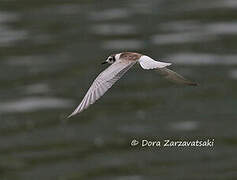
x: 50, y: 52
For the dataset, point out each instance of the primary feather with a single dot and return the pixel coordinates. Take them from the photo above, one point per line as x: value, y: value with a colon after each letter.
x: 174, y: 77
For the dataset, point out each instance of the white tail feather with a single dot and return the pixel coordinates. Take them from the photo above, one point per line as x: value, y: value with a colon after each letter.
x: 148, y: 63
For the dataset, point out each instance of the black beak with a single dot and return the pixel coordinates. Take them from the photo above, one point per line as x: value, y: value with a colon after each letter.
x: 104, y: 62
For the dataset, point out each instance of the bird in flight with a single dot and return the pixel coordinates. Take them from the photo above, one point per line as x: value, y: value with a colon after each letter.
x: 120, y: 64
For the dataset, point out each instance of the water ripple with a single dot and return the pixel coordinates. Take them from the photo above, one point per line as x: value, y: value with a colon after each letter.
x: 233, y: 74
x: 188, y: 25
x: 174, y: 38
x: 36, y: 89
x: 123, y: 44
x: 9, y: 36
x: 203, y: 59
x: 222, y: 28
x: 113, y: 29
x: 184, y: 126
x: 110, y: 14
x: 7, y: 17
x: 33, y: 104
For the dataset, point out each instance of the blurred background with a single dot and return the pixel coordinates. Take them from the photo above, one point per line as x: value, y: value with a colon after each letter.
x: 50, y: 53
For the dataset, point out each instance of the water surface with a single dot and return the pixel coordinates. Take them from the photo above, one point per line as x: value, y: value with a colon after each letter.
x: 50, y: 52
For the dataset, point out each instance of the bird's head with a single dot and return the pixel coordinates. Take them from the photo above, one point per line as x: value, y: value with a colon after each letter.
x: 111, y: 59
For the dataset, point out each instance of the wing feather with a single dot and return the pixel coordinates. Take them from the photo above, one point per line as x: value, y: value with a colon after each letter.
x: 174, y: 77
x: 148, y: 63
x: 103, y: 82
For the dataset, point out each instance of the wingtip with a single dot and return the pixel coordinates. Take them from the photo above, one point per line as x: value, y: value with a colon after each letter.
x: 192, y: 84
x: 70, y: 115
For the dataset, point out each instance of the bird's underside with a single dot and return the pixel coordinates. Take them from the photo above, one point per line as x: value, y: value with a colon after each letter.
x: 120, y: 64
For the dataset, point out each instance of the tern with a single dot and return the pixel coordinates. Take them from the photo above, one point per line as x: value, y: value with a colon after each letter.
x: 120, y: 64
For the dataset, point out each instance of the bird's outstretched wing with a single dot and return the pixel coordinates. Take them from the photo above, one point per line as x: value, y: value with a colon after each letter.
x: 148, y: 63
x: 174, y: 77
x: 103, y: 82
